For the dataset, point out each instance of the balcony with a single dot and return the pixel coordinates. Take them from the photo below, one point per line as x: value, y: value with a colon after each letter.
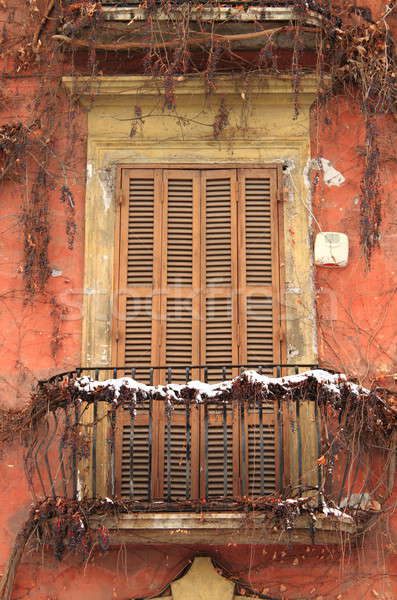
x: 198, y: 461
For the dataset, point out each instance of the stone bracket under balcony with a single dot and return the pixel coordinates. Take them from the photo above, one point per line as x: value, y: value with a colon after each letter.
x: 220, y: 528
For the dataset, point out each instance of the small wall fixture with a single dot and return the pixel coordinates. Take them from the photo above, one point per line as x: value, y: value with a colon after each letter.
x: 331, y: 249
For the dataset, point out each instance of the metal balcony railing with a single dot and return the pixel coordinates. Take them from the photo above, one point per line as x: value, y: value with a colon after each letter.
x: 150, y: 456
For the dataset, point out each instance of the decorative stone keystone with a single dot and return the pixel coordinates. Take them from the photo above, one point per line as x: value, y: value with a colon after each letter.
x: 202, y: 582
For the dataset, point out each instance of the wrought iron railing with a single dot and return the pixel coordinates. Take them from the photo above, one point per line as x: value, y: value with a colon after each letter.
x: 94, y: 450
x: 261, y: 439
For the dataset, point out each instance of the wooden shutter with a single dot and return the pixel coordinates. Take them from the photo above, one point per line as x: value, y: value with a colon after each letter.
x: 180, y: 324
x: 219, y: 317
x: 138, y: 301
x: 258, y: 320
x: 259, y: 314
x: 136, y: 325
x: 219, y: 322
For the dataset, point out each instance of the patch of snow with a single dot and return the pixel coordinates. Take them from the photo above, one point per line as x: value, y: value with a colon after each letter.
x: 331, y: 382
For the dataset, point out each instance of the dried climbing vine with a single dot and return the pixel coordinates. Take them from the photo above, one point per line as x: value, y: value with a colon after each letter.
x: 355, y: 56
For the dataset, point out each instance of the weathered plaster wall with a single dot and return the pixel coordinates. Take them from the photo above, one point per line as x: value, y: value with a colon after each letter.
x: 356, y: 308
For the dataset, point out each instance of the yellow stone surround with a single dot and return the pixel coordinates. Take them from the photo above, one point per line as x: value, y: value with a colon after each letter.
x: 261, y: 130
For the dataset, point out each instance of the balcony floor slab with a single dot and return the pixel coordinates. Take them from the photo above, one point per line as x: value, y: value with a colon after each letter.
x: 217, y: 528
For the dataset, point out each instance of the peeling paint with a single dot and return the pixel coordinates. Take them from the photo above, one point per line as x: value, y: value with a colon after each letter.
x: 106, y: 183
x: 90, y: 170
x: 292, y: 351
x: 332, y: 177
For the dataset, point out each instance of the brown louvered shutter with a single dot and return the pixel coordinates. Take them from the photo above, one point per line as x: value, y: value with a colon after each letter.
x: 258, y: 320
x: 180, y: 326
x: 219, y: 322
x: 137, y: 327
x: 219, y: 318
x: 258, y: 267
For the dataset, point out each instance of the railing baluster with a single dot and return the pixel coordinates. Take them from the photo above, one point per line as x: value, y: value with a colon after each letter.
x: 187, y: 372
x: 299, y: 436
x: 74, y: 451
x: 49, y: 439
x: 133, y: 373
x: 67, y: 433
x: 132, y: 432
x: 168, y: 454
x: 169, y: 375
x: 280, y: 435
x: 28, y: 466
x: 206, y: 450
x: 261, y: 449
x: 319, y: 448
x: 205, y: 374
x: 61, y: 457
x: 243, y: 452
x: 150, y: 449
x: 224, y: 373
x: 151, y: 376
x: 38, y: 471
x: 188, y: 442
x: 112, y: 417
x: 225, y: 448
x: 94, y: 440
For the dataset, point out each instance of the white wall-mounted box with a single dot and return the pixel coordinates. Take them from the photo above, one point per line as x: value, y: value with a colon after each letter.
x: 331, y: 249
